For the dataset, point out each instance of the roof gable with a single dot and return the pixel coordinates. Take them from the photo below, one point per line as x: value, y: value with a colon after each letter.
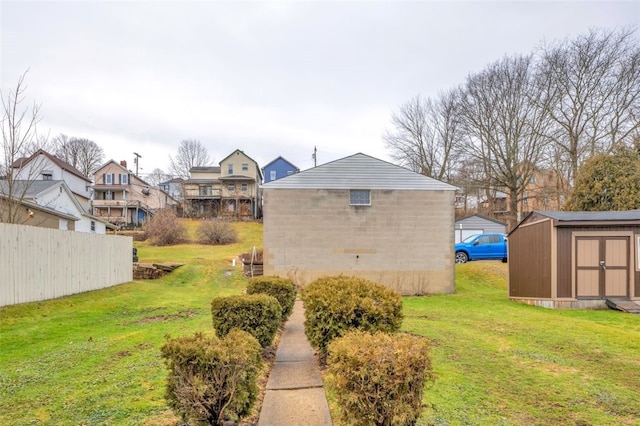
x: 280, y: 159
x: 359, y: 171
x: 55, y: 160
x: 490, y: 219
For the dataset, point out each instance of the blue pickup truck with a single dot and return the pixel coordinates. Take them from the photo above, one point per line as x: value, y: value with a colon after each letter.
x: 482, y: 246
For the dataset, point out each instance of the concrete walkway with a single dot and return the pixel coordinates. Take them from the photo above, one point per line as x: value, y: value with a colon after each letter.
x: 295, y: 394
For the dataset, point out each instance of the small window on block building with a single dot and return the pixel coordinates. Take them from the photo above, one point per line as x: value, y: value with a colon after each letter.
x: 359, y: 197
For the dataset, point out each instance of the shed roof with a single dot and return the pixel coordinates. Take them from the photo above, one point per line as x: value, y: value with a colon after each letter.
x: 359, y: 171
x: 591, y: 216
x: 581, y: 218
x: 490, y: 219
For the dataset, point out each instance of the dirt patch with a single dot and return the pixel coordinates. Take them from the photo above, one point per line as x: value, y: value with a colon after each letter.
x: 184, y: 314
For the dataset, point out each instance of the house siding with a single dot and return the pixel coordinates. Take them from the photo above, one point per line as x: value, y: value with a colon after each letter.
x: 403, y: 240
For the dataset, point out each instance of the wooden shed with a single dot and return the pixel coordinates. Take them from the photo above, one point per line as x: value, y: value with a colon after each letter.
x: 477, y: 224
x: 575, y: 259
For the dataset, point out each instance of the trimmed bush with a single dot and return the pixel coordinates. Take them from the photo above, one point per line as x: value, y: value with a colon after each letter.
x: 335, y: 305
x: 216, y: 232
x: 257, y: 314
x: 212, y: 380
x: 283, y: 289
x: 380, y: 377
x: 165, y: 229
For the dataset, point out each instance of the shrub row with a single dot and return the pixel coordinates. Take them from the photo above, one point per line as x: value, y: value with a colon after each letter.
x: 283, y: 289
x: 334, y: 305
x: 165, y: 229
x: 379, y: 376
x: 212, y: 378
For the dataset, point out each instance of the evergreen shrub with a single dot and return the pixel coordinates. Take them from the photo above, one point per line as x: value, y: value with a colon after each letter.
x: 379, y: 378
x: 335, y: 305
x: 257, y: 314
x: 283, y: 289
x: 212, y: 380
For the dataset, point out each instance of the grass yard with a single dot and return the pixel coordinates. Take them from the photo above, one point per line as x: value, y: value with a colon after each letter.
x: 94, y: 359
x: 502, y: 363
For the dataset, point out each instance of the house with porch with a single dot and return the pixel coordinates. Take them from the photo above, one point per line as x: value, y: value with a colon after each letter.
x: 123, y: 198
x: 231, y: 189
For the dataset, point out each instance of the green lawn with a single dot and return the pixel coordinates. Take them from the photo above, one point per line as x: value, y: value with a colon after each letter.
x: 94, y: 358
x: 502, y: 363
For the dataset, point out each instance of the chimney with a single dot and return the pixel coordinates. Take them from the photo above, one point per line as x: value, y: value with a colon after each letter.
x: 123, y: 163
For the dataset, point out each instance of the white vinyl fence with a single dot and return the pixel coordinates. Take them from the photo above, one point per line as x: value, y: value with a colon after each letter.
x: 40, y: 263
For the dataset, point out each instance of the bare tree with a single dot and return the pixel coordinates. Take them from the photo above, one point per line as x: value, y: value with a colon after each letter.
x: 83, y: 154
x: 191, y: 153
x: 19, y: 141
x: 426, y: 135
x: 505, y: 128
x: 157, y: 176
x: 592, y: 86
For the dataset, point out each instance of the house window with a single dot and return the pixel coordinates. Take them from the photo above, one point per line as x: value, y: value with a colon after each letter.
x: 205, y: 191
x: 245, y: 167
x: 272, y: 175
x: 47, y: 175
x: 93, y: 226
x: 359, y: 197
x: 232, y: 187
x: 289, y: 172
x: 124, y: 179
x: 108, y: 179
x: 108, y: 195
x: 244, y: 187
x: 230, y: 169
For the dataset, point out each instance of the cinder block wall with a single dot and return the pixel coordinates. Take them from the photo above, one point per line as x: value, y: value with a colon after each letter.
x: 404, y: 240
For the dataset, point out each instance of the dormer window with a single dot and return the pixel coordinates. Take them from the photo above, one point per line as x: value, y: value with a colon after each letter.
x: 47, y: 175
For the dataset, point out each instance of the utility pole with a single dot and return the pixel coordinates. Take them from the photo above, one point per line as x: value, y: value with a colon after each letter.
x: 315, y: 157
x: 135, y: 160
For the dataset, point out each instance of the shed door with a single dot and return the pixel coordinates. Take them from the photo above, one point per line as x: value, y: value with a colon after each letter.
x: 602, y: 267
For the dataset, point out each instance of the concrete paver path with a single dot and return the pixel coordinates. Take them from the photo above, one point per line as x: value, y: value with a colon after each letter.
x: 295, y: 395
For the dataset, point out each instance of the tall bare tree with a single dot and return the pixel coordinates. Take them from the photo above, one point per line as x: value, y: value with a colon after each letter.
x: 505, y: 128
x: 426, y: 135
x: 191, y: 153
x: 592, y: 86
x: 83, y: 154
x: 157, y: 176
x: 19, y: 140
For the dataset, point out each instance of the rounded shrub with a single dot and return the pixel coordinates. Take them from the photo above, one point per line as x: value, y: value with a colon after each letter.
x: 212, y: 380
x: 216, y: 232
x: 257, y: 314
x: 165, y: 229
x: 334, y: 305
x: 283, y: 289
x: 379, y: 378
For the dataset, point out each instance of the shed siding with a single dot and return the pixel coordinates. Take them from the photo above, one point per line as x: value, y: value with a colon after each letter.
x: 530, y: 261
x: 564, y: 251
x: 403, y: 240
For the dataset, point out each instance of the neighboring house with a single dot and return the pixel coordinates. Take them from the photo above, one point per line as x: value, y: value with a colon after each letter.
x: 545, y: 191
x: 57, y: 196
x: 364, y: 217
x: 173, y: 187
x: 477, y: 224
x: 202, y: 192
x: 121, y: 197
x: 232, y: 189
x: 35, y: 215
x: 575, y: 259
x: 44, y: 166
x: 277, y: 169
x: 240, y: 190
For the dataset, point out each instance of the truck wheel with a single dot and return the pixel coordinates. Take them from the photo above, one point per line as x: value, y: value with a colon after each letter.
x: 504, y: 260
x: 461, y: 257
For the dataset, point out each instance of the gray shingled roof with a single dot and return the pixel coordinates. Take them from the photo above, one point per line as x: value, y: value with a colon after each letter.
x: 359, y: 171
x: 591, y: 216
x: 34, y: 187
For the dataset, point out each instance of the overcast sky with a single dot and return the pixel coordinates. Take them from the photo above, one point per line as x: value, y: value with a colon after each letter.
x: 269, y: 78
